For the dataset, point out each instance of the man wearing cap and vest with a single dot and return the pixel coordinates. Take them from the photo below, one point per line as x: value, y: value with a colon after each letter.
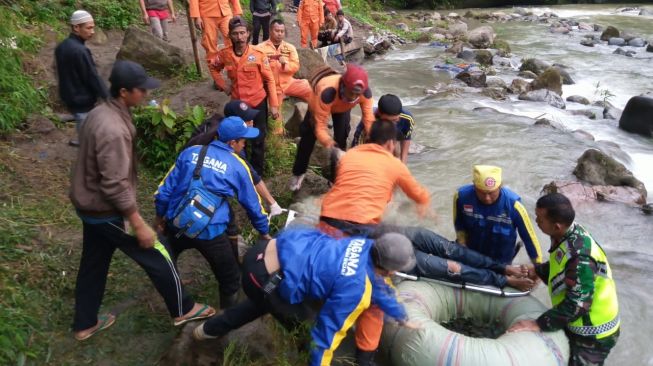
x: 80, y: 86
x: 366, y: 177
x: 488, y: 216
x: 583, y: 293
x: 310, y: 17
x: 223, y: 173
x: 333, y: 95
x: 209, y: 16
x: 390, y: 109
x: 303, y: 264
x: 252, y: 81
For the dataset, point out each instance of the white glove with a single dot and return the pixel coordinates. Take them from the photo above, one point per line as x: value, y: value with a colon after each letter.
x: 337, y: 153
x: 275, y: 210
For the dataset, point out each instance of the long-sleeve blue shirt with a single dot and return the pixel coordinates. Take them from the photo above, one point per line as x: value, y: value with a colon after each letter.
x: 223, y: 173
x: 339, y: 272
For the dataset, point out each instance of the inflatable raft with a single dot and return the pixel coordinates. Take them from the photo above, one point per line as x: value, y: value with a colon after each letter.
x: 430, y: 304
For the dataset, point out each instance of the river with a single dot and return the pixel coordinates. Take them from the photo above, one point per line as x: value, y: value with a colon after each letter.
x: 530, y: 156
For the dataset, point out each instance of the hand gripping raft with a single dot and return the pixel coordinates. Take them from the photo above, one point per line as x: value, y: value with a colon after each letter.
x: 430, y: 303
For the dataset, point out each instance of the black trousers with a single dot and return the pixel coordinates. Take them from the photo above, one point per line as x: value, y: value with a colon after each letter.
x: 257, y: 152
x: 341, y: 128
x: 99, y: 243
x: 258, y: 303
x: 258, y: 23
x: 218, y: 252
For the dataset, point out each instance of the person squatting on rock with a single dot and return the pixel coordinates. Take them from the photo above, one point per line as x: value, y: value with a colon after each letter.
x: 487, y: 217
x: 333, y: 95
x: 157, y: 14
x: 223, y: 173
x: 579, y: 278
x: 252, y: 81
x: 103, y: 191
x: 347, y: 275
x: 80, y: 86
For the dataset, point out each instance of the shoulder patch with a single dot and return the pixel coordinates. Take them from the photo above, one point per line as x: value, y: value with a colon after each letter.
x: 367, y: 93
x: 328, y: 95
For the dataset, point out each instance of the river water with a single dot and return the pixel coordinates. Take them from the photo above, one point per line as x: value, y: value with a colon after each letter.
x: 459, y: 137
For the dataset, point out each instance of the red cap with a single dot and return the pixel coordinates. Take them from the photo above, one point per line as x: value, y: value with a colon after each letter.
x: 355, y: 76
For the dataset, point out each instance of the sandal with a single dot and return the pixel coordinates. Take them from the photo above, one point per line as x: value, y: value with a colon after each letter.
x: 198, y: 315
x: 104, y: 322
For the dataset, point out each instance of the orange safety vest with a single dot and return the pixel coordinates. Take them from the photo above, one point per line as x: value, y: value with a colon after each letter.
x: 248, y: 74
x: 311, y: 11
x: 214, y: 8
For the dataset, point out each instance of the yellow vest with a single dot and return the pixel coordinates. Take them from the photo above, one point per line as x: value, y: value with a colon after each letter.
x: 603, y: 317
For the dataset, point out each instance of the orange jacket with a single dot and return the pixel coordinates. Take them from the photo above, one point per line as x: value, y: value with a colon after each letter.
x: 311, y: 11
x: 365, y: 179
x: 327, y: 100
x: 247, y: 74
x: 214, y: 8
x: 283, y: 74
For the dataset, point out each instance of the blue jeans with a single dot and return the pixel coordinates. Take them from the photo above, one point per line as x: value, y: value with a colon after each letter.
x: 432, y: 252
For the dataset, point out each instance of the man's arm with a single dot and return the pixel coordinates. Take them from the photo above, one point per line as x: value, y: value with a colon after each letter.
x: 527, y: 232
x: 367, y: 109
x: 268, y: 79
x: 404, y: 146
x: 410, y: 186
x: 321, y: 110
x: 194, y: 8
x: 218, y: 64
x: 146, y: 18
x: 171, y: 7
x: 292, y: 66
x: 113, y: 154
x: 87, y: 71
x: 458, y: 224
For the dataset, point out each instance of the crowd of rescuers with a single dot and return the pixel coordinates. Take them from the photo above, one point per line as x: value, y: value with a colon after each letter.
x: 345, y: 261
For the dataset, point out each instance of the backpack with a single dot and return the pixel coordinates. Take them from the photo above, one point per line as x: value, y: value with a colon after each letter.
x: 196, y: 209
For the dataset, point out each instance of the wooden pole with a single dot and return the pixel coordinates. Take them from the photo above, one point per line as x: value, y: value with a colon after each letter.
x: 193, y: 39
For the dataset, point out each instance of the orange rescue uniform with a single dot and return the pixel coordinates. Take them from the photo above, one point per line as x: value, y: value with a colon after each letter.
x: 310, y: 17
x: 248, y: 74
x: 215, y: 14
x: 283, y: 73
x: 366, y: 177
x: 327, y: 100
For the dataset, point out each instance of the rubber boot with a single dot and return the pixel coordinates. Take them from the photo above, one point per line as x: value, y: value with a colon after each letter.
x: 365, y: 358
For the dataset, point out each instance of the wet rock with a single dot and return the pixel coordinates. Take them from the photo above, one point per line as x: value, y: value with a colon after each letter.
x: 578, y: 192
x: 646, y: 12
x: 534, y: 65
x: 485, y: 110
x: 467, y: 55
x: 527, y: 75
x: 496, y: 82
x: 583, y: 112
x: 564, y: 74
x: 585, y: 26
x: 423, y: 38
x: 649, y: 48
x: 37, y: 124
x: 501, y: 61
x: 597, y: 168
x: 309, y: 62
x: 550, y: 79
x: 637, y: 117
x: 583, y: 135
x: 436, y: 16
x: 458, y: 29
x: 587, y: 42
x: 519, y: 86
x: 521, y: 11
x: 615, y: 41
x: 314, y: 184
x: 622, y: 52
x: 578, y: 99
x: 502, y: 47
x: 609, y: 32
x: 481, y: 37
x: 598, y: 28
x: 292, y: 126
x: 611, y: 112
x: 627, y: 37
x: 456, y: 48
x: 453, y: 15
x: 494, y: 93
x: 483, y: 57
x: 151, y: 52
x: 402, y: 27
x: 647, y: 209
x: 559, y: 30
x: 543, y: 95
x: 545, y: 122
x: 636, y: 42
x: 475, y: 79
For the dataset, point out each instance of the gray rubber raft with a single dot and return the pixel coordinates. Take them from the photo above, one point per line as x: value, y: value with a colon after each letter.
x: 430, y: 304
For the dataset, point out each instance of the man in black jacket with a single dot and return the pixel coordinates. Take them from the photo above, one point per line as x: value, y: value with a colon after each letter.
x: 80, y: 86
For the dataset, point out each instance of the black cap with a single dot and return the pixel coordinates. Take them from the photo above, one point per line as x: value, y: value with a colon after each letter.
x: 390, y: 104
x: 240, y: 109
x: 129, y: 75
x: 237, y: 21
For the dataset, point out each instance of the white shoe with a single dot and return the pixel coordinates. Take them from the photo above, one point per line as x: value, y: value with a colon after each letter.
x: 296, y: 182
x: 200, y: 335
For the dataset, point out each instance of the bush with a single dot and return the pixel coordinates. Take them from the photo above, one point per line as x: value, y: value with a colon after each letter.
x: 162, y: 133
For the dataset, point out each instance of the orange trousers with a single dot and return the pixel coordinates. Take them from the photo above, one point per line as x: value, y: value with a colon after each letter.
x: 309, y: 27
x: 299, y: 88
x: 210, y: 39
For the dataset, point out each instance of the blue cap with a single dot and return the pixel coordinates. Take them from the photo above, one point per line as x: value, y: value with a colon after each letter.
x: 240, y: 109
x: 234, y: 128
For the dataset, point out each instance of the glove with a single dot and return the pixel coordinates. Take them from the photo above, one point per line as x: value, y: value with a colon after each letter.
x: 336, y: 153
x: 275, y: 209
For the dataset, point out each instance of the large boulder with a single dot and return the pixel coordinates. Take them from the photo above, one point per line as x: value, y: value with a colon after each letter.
x: 597, y: 168
x: 616, y: 41
x: 637, y: 117
x: 483, y: 57
x: 578, y: 99
x: 502, y: 47
x: 587, y: 42
x: 481, y: 37
x: 313, y: 185
x: 458, y: 29
x: 456, y: 48
x: 637, y: 42
x: 609, y: 32
x: 519, y: 86
x: 611, y: 112
x: 474, y: 79
x: 550, y: 79
x: 649, y: 48
x: 494, y: 93
x: 292, y: 126
x: 622, y: 52
x: 544, y: 95
x: 527, y: 74
x: 496, y: 82
x: 309, y: 61
x: 534, y: 65
x: 578, y: 192
x: 151, y: 52
x: 564, y: 74
x: 467, y: 55
x: 99, y: 38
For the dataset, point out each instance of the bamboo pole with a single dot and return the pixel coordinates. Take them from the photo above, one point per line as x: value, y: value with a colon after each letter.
x: 193, y: 39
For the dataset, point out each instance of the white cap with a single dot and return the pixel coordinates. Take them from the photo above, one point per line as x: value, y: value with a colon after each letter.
x: 80, y: 17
